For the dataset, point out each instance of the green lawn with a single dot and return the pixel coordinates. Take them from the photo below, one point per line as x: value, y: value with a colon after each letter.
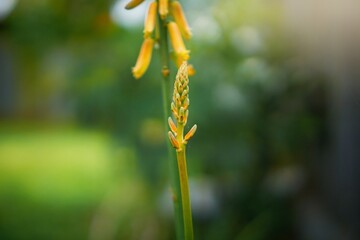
x: 53, y: 181
x: 55, y: 166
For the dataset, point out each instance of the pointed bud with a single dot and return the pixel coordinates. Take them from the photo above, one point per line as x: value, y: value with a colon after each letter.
x: 133, y: 3
x: 177, y: 41
x: 173, y: 107
x: 178, y: 14
x: 181, y: 115
x: 190, y: 133
x: 184, y: 94
x: 144, y: 58
x: 173, y: 140
x: 186, y: 116
x: 163, y: 8
x: 186, y: 103
x: 172, y: 126
x: 178, y: 100
x: 179, y: 87
x: 150, y: 19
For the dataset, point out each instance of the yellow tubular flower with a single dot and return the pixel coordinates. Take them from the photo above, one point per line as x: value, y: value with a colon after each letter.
x: 177, y: 42
x: 150, y: 19
x: 178, y: 14
x: 133, y: 3
x: 144, y: 58
x: 163, y: 8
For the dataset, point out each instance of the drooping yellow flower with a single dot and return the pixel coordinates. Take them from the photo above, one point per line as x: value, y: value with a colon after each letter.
x: 163, y: 8
x: 144, y: 58
x: 133, y: 3
x: 177, y: 41
x: 150, y: 19
x: 179, y: 16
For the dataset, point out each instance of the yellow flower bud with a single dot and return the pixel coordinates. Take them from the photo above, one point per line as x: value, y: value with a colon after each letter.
x: 177, y: 42
x: 133, y: 3
x: 178, y: 14
x: 163, y: 8
x: 173, y: 140
x: 190, y: 133
x: 172, y: 125
x: 150, y: 19
x: 144, y: 58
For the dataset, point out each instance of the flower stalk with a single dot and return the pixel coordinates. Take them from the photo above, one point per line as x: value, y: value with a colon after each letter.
x: 165, y: 20
x: 174, y: 174
x: 179, y: 107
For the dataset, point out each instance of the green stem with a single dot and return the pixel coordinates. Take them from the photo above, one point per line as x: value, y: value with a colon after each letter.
x: 174, y: 174
x: 184, y: 183
x: 185, y: 193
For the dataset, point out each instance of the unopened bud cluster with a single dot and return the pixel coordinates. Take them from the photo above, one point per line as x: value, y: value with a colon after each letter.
x: 172, y: 15
x: 180, y: 109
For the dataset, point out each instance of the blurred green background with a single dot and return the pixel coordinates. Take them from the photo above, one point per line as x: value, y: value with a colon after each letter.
x: 82, y: 144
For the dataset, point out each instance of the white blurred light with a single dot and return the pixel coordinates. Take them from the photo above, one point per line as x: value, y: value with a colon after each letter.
x: 203, y: 198
x: 128, y: 18
x: 254, y: 69
x: 246, y: 40
x: 205, y: 28
x: 6, y: 6
x: 204, y: 202
x: 228, y: 97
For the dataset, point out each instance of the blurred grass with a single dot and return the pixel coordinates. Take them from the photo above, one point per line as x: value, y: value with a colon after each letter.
x: 52, y: 180
x: 64, y: 166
